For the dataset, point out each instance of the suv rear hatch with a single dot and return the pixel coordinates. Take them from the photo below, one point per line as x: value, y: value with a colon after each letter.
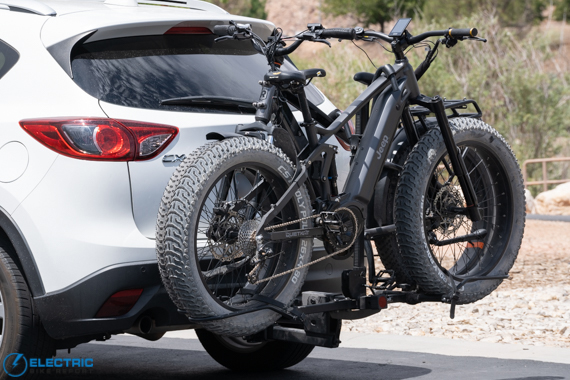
x: 133, y: 74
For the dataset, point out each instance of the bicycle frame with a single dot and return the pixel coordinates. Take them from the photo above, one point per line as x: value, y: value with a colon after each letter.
x: 393, y: 90
x: 392, y: 93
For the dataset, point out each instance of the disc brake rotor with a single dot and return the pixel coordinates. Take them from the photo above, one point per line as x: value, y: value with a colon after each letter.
x: 226, y: 247
x: 447, y: 197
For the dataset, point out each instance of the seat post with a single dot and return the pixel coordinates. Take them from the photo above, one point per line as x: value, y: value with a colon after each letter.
x: 308, y: 121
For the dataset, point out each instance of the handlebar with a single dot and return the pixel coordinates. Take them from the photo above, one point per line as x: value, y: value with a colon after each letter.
x: 463, y: 32
x: 340, y: 33
x: 317, y: 33
x: 454, y: 33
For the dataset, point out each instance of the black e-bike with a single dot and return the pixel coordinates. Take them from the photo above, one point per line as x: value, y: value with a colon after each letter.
x: 238, y: 219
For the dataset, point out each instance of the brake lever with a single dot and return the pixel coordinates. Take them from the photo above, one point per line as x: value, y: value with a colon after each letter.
x: 477, y: 39
x: 223, y: 38
x: 322, y: 41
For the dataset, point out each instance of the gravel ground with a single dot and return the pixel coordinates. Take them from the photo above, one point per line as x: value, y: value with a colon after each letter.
x: 531, y: 308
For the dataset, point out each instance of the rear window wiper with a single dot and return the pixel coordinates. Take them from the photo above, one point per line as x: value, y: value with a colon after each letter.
x: 211, y: 101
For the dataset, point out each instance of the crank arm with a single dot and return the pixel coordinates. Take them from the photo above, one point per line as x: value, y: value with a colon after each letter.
x: 477, y: 235
x: 296, y: 234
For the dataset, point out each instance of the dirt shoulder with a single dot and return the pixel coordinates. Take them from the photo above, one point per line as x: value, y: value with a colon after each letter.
x: 532, y: 308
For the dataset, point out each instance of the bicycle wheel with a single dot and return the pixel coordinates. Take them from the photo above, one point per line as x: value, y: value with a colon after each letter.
x: 208, y: 250
x: 387, y: 245
x: 430, y: 211
x: 239, y: 355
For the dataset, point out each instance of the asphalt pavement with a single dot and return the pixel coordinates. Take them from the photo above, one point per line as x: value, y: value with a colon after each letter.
x: 374, y: 356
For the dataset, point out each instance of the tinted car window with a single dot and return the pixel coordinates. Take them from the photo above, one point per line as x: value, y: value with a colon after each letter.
x: 8, y: 58
x: 142, y: 71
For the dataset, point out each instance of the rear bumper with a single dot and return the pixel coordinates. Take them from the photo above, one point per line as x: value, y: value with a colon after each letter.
x: 71, y: 312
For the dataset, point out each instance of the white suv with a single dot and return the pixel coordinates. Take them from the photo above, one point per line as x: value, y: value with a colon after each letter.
x: 88, y: 143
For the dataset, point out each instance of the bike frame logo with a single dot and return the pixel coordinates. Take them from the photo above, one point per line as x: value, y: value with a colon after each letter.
x: 16, y: 365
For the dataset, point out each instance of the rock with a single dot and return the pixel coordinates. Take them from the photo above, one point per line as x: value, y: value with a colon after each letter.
x: 530, y: 204
x: 554, y: 202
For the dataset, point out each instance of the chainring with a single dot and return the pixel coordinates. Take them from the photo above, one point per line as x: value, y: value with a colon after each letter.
x: 340, y: 229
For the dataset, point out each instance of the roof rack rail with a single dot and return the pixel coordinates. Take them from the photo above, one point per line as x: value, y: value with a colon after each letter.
x: 27, y: 6
x: 189, y: 4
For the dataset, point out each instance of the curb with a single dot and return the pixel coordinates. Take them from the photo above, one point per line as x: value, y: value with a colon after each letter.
x: 550, y: 218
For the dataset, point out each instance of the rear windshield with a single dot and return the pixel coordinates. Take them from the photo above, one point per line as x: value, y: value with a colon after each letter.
x: 8, y: 58
x: 142, y: 71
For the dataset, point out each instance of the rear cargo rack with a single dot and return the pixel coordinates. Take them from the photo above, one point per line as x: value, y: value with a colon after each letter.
x: 453, y: 105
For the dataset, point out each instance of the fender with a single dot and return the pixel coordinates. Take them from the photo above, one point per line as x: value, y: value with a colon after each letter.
x: 250, y: 130
x: 221, y: 135
x: 24, y: 257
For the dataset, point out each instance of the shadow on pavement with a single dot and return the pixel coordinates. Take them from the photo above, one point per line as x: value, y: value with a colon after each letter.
x: 122, y: 362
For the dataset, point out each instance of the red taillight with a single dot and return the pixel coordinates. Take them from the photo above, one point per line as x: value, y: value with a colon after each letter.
x: 119, y: 303
x: 151, y: 139
x: 101, y: 139
x: 382, y: 302
x: 188, y: 30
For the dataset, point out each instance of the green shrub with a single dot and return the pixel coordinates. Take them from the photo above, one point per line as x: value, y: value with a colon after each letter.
x: 515, y: 79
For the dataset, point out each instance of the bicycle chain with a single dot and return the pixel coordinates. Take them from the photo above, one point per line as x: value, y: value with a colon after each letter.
x: 270, y: 228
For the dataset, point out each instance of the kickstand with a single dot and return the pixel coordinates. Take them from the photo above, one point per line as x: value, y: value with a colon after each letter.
x: 453, y: 298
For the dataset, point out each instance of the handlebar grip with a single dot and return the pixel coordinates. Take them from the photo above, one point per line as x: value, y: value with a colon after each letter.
x: 340, y: 33
x: 463, y: 32
x: 224, y: 30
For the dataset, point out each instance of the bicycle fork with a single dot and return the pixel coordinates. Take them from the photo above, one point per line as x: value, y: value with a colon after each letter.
x: 436, y: 106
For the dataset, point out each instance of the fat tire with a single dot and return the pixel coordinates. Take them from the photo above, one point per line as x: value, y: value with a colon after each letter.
x: 23, y: 332
x: 410, y: 205
x: 387, y: 245
x: 267, y: 356
x: 162, y: 218
x: 177, y: 261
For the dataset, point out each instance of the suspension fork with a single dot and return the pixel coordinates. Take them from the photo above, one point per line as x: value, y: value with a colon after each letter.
x: 436, y: 105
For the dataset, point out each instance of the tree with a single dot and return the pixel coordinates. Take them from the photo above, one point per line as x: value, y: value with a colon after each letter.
x: 516, y: 13
x: 373, y: 11
x: 249, y: 8
x: 562, y: 10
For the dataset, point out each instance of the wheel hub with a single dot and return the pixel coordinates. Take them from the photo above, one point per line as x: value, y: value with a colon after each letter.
x: 446, y: 199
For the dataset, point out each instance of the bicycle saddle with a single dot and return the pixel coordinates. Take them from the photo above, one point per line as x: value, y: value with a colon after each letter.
x: 284, y: 77
x: 364, y: 78
x: 312, y: 73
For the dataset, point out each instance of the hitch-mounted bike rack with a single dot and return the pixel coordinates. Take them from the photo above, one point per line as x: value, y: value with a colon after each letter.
x: 317, y: 320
